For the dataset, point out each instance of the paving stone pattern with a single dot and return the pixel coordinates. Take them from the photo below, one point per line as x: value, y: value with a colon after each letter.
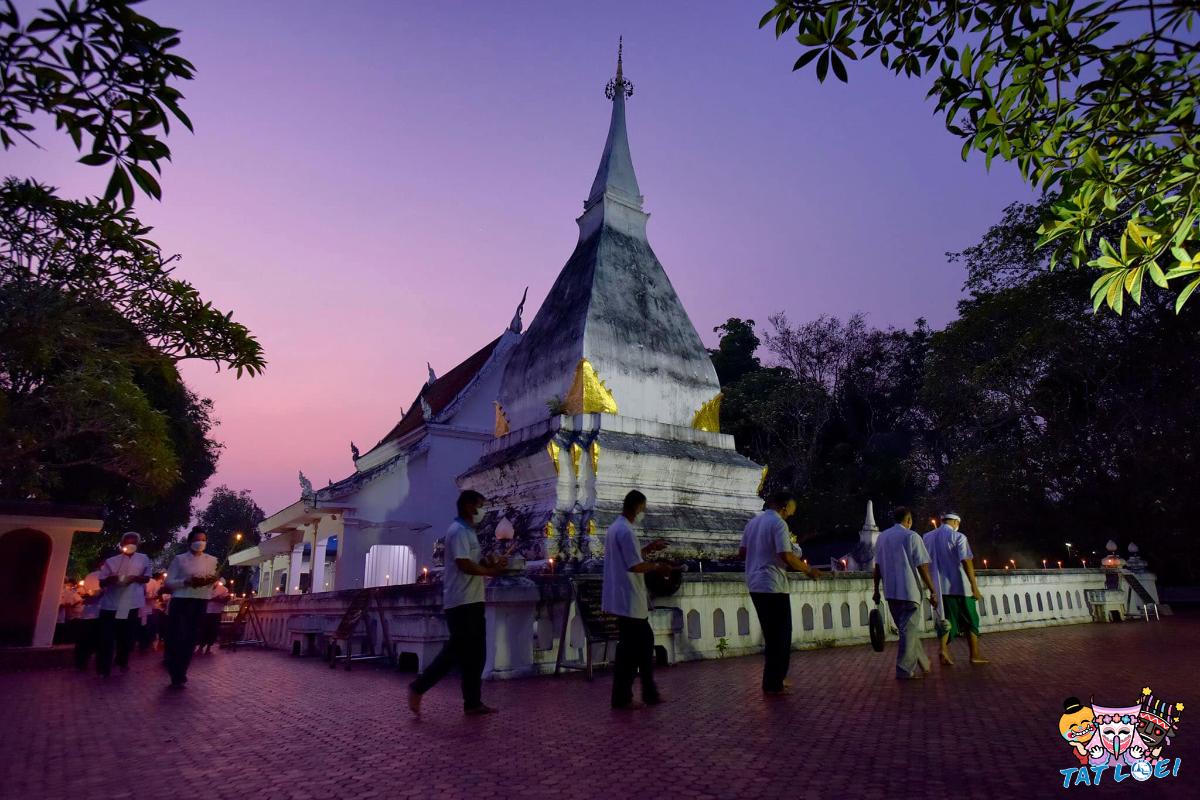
x: 267, y: 726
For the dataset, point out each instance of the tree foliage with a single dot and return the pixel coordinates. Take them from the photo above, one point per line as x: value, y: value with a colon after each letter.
x: 106, y: 76
x: 98, y: 252
x: 1093, y: 101
x: 1040, y: 421
x: 227, y: 514
x: 91, y: 413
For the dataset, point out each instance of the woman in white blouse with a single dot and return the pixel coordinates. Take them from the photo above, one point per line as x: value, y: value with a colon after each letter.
x: 189, y: 580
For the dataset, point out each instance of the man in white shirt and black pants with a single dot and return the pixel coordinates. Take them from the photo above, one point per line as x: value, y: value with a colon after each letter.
x: 624, y: 596
x: 123, y: 578
x: 462, y: 600
x: 190, y: 579
x: 767, y: 549
x: 900, y: 557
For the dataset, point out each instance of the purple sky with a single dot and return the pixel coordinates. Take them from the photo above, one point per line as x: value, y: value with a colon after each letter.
x: 372, y: 185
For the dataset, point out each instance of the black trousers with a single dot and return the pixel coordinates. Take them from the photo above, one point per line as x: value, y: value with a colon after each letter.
x: 635, y: 656
x: 466, y: 647
x: 86, y: 633
x: 119, y: 631
x: 183, y: 626
x: 775, y: 617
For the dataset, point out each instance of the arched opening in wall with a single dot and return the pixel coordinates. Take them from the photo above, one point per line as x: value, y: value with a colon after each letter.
x: 718, y: 624
x: 1078, y: 601
x: 864, y: 615
x: 389, y: 565
x: 743, y: 620
x: 693, y: 624
x: 993, y: 603
x: 1070, y: 606
x: 982, y: 605
x: 1059, y: 596
x: 827, y: 617
x: 845, y: 615
x: 24, y: 559
x: 806, y: 617
x: 1017, y: 602
x: 408, y: 662
x: 1040, y: 606
x: 1029, y: 605
x: 1007, y: 608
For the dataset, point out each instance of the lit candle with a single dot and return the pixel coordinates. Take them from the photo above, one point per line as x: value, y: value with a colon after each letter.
x: 551, y: 563
x: 985, y: 563
x: 1043, y: 563
x: 1060, y: 565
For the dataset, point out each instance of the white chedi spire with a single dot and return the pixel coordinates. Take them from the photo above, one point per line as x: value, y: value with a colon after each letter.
x: 869, y: 530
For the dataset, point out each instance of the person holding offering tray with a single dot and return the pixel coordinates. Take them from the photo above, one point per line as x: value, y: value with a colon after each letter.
x: 190, y: 579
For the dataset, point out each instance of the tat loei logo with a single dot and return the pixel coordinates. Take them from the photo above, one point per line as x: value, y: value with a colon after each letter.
x: 1119, y: 743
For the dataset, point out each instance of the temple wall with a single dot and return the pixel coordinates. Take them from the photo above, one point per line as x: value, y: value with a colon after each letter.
x: 525, y: 615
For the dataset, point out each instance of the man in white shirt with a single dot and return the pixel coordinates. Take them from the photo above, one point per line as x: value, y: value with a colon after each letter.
x: 462, y: 600
x: 190, y: 578
x: 900, y: 557
x: 123, y: 578
x: 624, y: 596
x: 953, y: 566
x: 89, y: 616
x: 768, y: 552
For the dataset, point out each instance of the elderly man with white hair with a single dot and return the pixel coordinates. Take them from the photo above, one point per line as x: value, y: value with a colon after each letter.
x: 953, y: 570
x: 123, y: 578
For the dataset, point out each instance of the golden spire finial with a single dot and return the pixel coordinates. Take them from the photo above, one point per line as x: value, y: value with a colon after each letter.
x: 619, y: 84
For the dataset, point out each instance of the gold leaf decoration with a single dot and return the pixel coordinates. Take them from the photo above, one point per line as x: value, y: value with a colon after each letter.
x: 501, y: 420
x: 592, y: 528
x: 762, y: 481
x: 570, y: 530
x: 588, y: 394
x: 553, y: 449
x: 549, y: 530
x: 576, y: 455
x: 594, y: 452
x: 708, y: 417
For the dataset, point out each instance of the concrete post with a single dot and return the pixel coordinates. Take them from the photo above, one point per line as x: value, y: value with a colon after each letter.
x: 294, y: 569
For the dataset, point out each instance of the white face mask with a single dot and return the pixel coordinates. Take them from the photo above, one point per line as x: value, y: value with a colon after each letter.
x: 129, y: 549
x: 477, y: 517
x: 638, y: 517
x: 198, y: 547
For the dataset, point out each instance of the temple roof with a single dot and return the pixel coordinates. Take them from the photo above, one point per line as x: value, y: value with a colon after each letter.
x: 440, y: 393
x: 613, y: 306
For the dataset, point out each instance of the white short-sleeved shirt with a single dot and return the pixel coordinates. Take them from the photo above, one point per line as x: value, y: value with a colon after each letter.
x: 898, y: 553
x: 765, y: 537
x: 624, y: 591
x: 947, y: 550
x: 459, y: 588
x: 190, y: 565
x: 123, y: 598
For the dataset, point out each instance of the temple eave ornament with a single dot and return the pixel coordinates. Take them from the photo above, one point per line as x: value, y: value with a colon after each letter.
x: 501, y: 420
x: 588, y: 394
x: 708, y: 416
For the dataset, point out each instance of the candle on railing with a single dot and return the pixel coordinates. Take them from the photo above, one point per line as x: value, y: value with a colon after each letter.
x: 985, y: 563
x: 1043, y: 563
x: 845, y: 565
x: 550, y: 562
x: 1060, y: 565
x: 1013, y: 561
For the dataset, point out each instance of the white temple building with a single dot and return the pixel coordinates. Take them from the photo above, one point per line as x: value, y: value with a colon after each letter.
x: 610, y: 389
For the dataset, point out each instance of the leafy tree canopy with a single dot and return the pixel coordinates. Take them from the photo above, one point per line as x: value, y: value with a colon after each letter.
x: 105, y: 74
x: 98, y: 252
x: 1093, y: 101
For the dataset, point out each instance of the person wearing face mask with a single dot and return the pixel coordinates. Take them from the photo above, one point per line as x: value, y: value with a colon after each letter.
x: 462, y: 600
x: 190, y: 579
x: 624, y: 596
x: 767, y: 549
x: 123, y: 578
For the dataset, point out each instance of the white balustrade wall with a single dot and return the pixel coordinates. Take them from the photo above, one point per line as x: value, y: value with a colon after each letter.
x: 525, y: 616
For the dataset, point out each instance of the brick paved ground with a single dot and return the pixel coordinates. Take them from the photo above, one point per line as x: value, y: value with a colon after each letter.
x: 264, y: 726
